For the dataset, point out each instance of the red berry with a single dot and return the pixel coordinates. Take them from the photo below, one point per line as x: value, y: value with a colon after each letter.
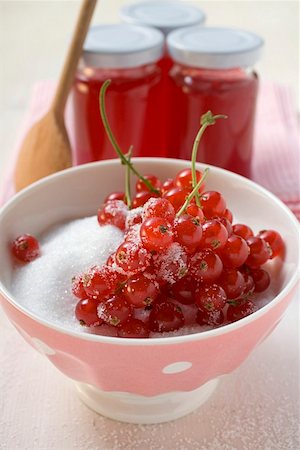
x: 134, y: 217
x: 228, y: 215
x: 261, y: 279
x: 115, y: 196
x: 25, y: 248
x: 195, y: 211
x: 275, y: 242
x: 170, y: 264
x: 206, y: 266
x: 214, y: 235
x: 99, y: 282
x: 249, y: 285
x: 235, y: 252
x: 167, y: 185
x: 156, y: 234
x: 177, y: 197
x: 132, y: 257
x: 165, y: 316
x: 184, y: 290
x: 232, y: 281
x: 210, y: 318
x: 242, y: 230
x: 183, y: 179
x: 226, y: 224
x: 115, y: 311
x: 133, y: 328
x: 86, y: 312
x: 141, y: 186
x: 259, y: 252
x: 213, y: 204
x: 210, y: 298
x: 188, y: 232
x: 159, y: 207
x: 240, y: 311
x: 78, y: 288
x: 141, y: 290
x: 141, y: 198
x: 113, y: 213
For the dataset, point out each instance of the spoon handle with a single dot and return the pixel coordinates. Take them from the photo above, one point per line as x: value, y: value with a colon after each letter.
x: 73, y: 55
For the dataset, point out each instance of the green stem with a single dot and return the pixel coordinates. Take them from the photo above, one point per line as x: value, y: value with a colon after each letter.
x: 127, y: 179
x: 113, y: 140
x: 193, y: 193
x: 207, y: 119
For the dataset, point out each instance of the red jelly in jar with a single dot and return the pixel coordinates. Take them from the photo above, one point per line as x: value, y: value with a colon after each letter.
x: 128, y: 55
x: 212, y: 71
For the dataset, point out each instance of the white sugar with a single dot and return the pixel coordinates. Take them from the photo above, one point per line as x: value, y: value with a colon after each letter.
x: 44, y: 285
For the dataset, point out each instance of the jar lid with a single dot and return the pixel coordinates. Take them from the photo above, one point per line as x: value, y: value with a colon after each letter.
x: 122, y: 46
x: 214, y: 47
x: 165, y: 15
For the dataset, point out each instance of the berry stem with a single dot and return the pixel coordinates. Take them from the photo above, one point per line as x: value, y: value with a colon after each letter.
x: 127, y: 179
x: 193, y: 193
x: 206, y: 120
x: 113, y: 141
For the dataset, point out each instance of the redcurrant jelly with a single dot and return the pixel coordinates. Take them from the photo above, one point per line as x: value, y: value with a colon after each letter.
x: 128, y: 55
x: 212, y: 71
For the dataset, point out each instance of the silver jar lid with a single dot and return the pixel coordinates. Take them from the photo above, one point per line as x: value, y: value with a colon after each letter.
x: 214, y: 47
x: 122, y: 46
x: 166, y: 15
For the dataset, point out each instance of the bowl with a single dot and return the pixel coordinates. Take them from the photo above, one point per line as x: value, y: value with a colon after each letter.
x: 144, y: 380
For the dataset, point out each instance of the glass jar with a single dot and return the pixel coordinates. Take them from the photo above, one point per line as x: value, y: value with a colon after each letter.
x: 128, y: 55
x: 213, y: 71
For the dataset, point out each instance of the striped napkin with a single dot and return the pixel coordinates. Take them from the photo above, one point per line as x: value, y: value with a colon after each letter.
x: 276, y: 158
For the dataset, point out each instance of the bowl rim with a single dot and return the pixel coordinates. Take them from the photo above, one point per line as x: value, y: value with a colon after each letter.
x: 169, y: 340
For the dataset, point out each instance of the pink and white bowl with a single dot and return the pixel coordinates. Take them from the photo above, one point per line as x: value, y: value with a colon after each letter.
x: 144, y: 380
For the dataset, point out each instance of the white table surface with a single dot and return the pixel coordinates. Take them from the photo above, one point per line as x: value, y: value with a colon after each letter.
x: 256, y: 407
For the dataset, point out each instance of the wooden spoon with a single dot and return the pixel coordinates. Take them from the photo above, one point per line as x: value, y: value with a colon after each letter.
x: 46, y: 148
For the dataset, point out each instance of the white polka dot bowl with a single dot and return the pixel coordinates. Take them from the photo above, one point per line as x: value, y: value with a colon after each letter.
x: 144, y: 380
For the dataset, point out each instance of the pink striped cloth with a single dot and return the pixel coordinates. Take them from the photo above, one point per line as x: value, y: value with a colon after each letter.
x: 276, y: 159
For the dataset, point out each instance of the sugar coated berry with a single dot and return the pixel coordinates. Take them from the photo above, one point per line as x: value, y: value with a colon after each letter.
x: 210, y: 318
x: 206, y: 266
x: 156, y: 234
x: 210, y: 298
x: 86, y: 312
x: 184, y: 290
x: 113, y: 213
x: 133, y: 328
x: 141, y: 290
x: 240, y: 311
x: 159, y: 207
x: 115, y: 311
x: 165, y: 316
x: 25, y: 248
x: 77, y: 287
x: 132, y: 257
x: 99, y: 282
x: 170, y: 264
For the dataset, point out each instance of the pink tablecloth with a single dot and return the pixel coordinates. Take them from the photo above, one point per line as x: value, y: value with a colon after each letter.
x: 276, y: 159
